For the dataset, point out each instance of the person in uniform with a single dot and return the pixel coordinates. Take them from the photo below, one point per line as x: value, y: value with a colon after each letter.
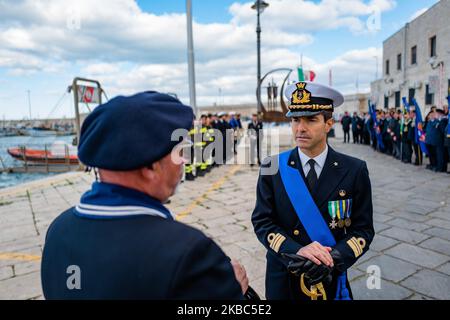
x: 313, y: 214
x: 441, y: 154
x: 255, y: 131
x: 346, y: 122
x: 120, y: 241
x: 407, y: 138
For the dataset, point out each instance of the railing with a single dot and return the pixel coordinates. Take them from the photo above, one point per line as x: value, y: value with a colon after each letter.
x: 43, y: 165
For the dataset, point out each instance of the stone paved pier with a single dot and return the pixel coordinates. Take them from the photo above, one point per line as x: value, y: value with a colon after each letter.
x: 411, y: 213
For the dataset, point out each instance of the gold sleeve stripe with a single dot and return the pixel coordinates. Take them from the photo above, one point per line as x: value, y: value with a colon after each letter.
x: 275, y: 241
x: 276, y: 244
x: 357, y: 245
x: 354, y: 245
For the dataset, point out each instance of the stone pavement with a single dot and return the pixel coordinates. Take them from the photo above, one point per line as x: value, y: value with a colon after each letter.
x: 411, y: 213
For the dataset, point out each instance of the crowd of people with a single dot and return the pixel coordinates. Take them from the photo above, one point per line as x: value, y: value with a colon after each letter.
x: 398, y: 134
x: 224, y: 130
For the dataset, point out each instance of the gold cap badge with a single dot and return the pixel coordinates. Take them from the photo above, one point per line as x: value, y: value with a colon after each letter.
x: 301, y: 95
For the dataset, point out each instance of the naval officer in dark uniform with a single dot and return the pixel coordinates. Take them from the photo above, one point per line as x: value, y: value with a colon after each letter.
x: 120, y: 241
x: 314, y: 213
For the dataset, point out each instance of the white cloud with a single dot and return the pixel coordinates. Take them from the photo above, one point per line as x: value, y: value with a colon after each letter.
x: 418, y: 13
x: 306, y: 16
x: 129, y: 50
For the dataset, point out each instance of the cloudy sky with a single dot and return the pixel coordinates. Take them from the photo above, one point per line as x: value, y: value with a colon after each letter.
x: 132, y: 46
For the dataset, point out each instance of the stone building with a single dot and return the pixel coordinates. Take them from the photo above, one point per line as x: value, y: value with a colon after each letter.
x: 416, y: 62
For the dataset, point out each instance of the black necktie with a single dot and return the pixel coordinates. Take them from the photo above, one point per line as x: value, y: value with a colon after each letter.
x: 312, y: 175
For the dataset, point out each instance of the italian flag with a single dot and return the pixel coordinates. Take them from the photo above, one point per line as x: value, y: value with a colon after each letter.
x: 305, y: 75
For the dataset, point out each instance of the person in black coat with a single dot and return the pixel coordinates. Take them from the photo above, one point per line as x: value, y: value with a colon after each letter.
x: 394, y: 126
x: 120, y: 241
x: 355, y: 127
x: 332, y: 179
x: 441, y: 154
x: 430, y: 128
x: 418, y: 156
x: 407, y: 138
x: 346, y: 122
x: 254, y: 131
x: 447, y: 135
x: 360, y: 128
x: 366, y: 129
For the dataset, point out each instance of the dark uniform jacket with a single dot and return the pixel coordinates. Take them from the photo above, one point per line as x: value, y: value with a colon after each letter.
x: 136, y: 257
x: 257, y: 127
x: 342, y: 177
x: 346, y: 122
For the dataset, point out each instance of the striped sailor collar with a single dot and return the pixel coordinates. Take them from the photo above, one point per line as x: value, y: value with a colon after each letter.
x: 111, y: 201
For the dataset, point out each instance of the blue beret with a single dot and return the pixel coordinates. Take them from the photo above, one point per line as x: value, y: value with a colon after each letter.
x: 128, y: 133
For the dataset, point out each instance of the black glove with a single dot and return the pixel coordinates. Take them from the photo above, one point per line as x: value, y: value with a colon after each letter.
x: 251, y: 294
x: 314, y: 273
x: 337, y: 260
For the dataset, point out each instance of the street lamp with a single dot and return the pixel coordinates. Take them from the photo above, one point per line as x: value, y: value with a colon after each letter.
x: 191, y: 61
x: 259, y: 6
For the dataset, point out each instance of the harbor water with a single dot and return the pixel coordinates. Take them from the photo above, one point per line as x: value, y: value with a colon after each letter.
x: 12, y: 179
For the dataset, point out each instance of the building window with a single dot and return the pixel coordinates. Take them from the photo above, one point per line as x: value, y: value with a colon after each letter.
x: 433, y: 46
x: 411, y: 94
x: 386, y: 102
x: 399, y: 62
x: 414, y: 55
x: 387, y: 67
x: 397, y: 99
x: 429, y: 97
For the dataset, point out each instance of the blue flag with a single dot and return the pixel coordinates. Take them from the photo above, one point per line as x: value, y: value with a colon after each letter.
x: 419, y: 134
x: 406, y: 104
x: 377, y: 129
x: 448, y: 124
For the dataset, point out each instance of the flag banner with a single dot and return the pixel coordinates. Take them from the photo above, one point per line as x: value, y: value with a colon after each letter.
x: 301, y: 76
x: 418, y: 130
x: 88, y: 94
x: 377, y: 129
x: 305, y: 75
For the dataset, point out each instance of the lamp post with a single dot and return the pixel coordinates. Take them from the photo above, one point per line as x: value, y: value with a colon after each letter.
x: 259, y: 6
x: 29, y: 103
x: 191, y: 61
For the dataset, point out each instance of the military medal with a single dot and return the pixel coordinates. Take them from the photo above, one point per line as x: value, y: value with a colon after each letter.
x: 332, y: 212
x: 348, y: 211
x: 340, y: 213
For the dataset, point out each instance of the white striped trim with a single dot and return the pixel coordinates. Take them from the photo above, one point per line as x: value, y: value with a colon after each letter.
x: 111, y: 208
x: 118, y: 211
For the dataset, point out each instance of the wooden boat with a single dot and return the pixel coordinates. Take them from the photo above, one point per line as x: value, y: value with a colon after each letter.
x: 39, y: 156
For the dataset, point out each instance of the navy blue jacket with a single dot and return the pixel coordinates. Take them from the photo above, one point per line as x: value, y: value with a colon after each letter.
x: 141, y: 257
x: 432, y: 133
x: 343, y: 177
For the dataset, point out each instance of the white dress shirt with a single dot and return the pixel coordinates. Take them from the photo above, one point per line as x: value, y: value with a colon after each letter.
x: 320, y: 161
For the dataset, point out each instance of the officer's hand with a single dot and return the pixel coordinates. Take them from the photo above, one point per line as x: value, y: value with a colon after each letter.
x: 240, y: 274
x: 296, y: 264
x: 338, y: 260
x: 314, y: 273
x: 317, y: 254
x: 318, y: 273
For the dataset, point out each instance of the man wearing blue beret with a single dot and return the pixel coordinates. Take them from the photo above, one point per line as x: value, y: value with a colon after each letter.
x: 120, y: 241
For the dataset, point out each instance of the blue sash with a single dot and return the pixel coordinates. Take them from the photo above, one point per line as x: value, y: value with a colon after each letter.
x: 308, y: 214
